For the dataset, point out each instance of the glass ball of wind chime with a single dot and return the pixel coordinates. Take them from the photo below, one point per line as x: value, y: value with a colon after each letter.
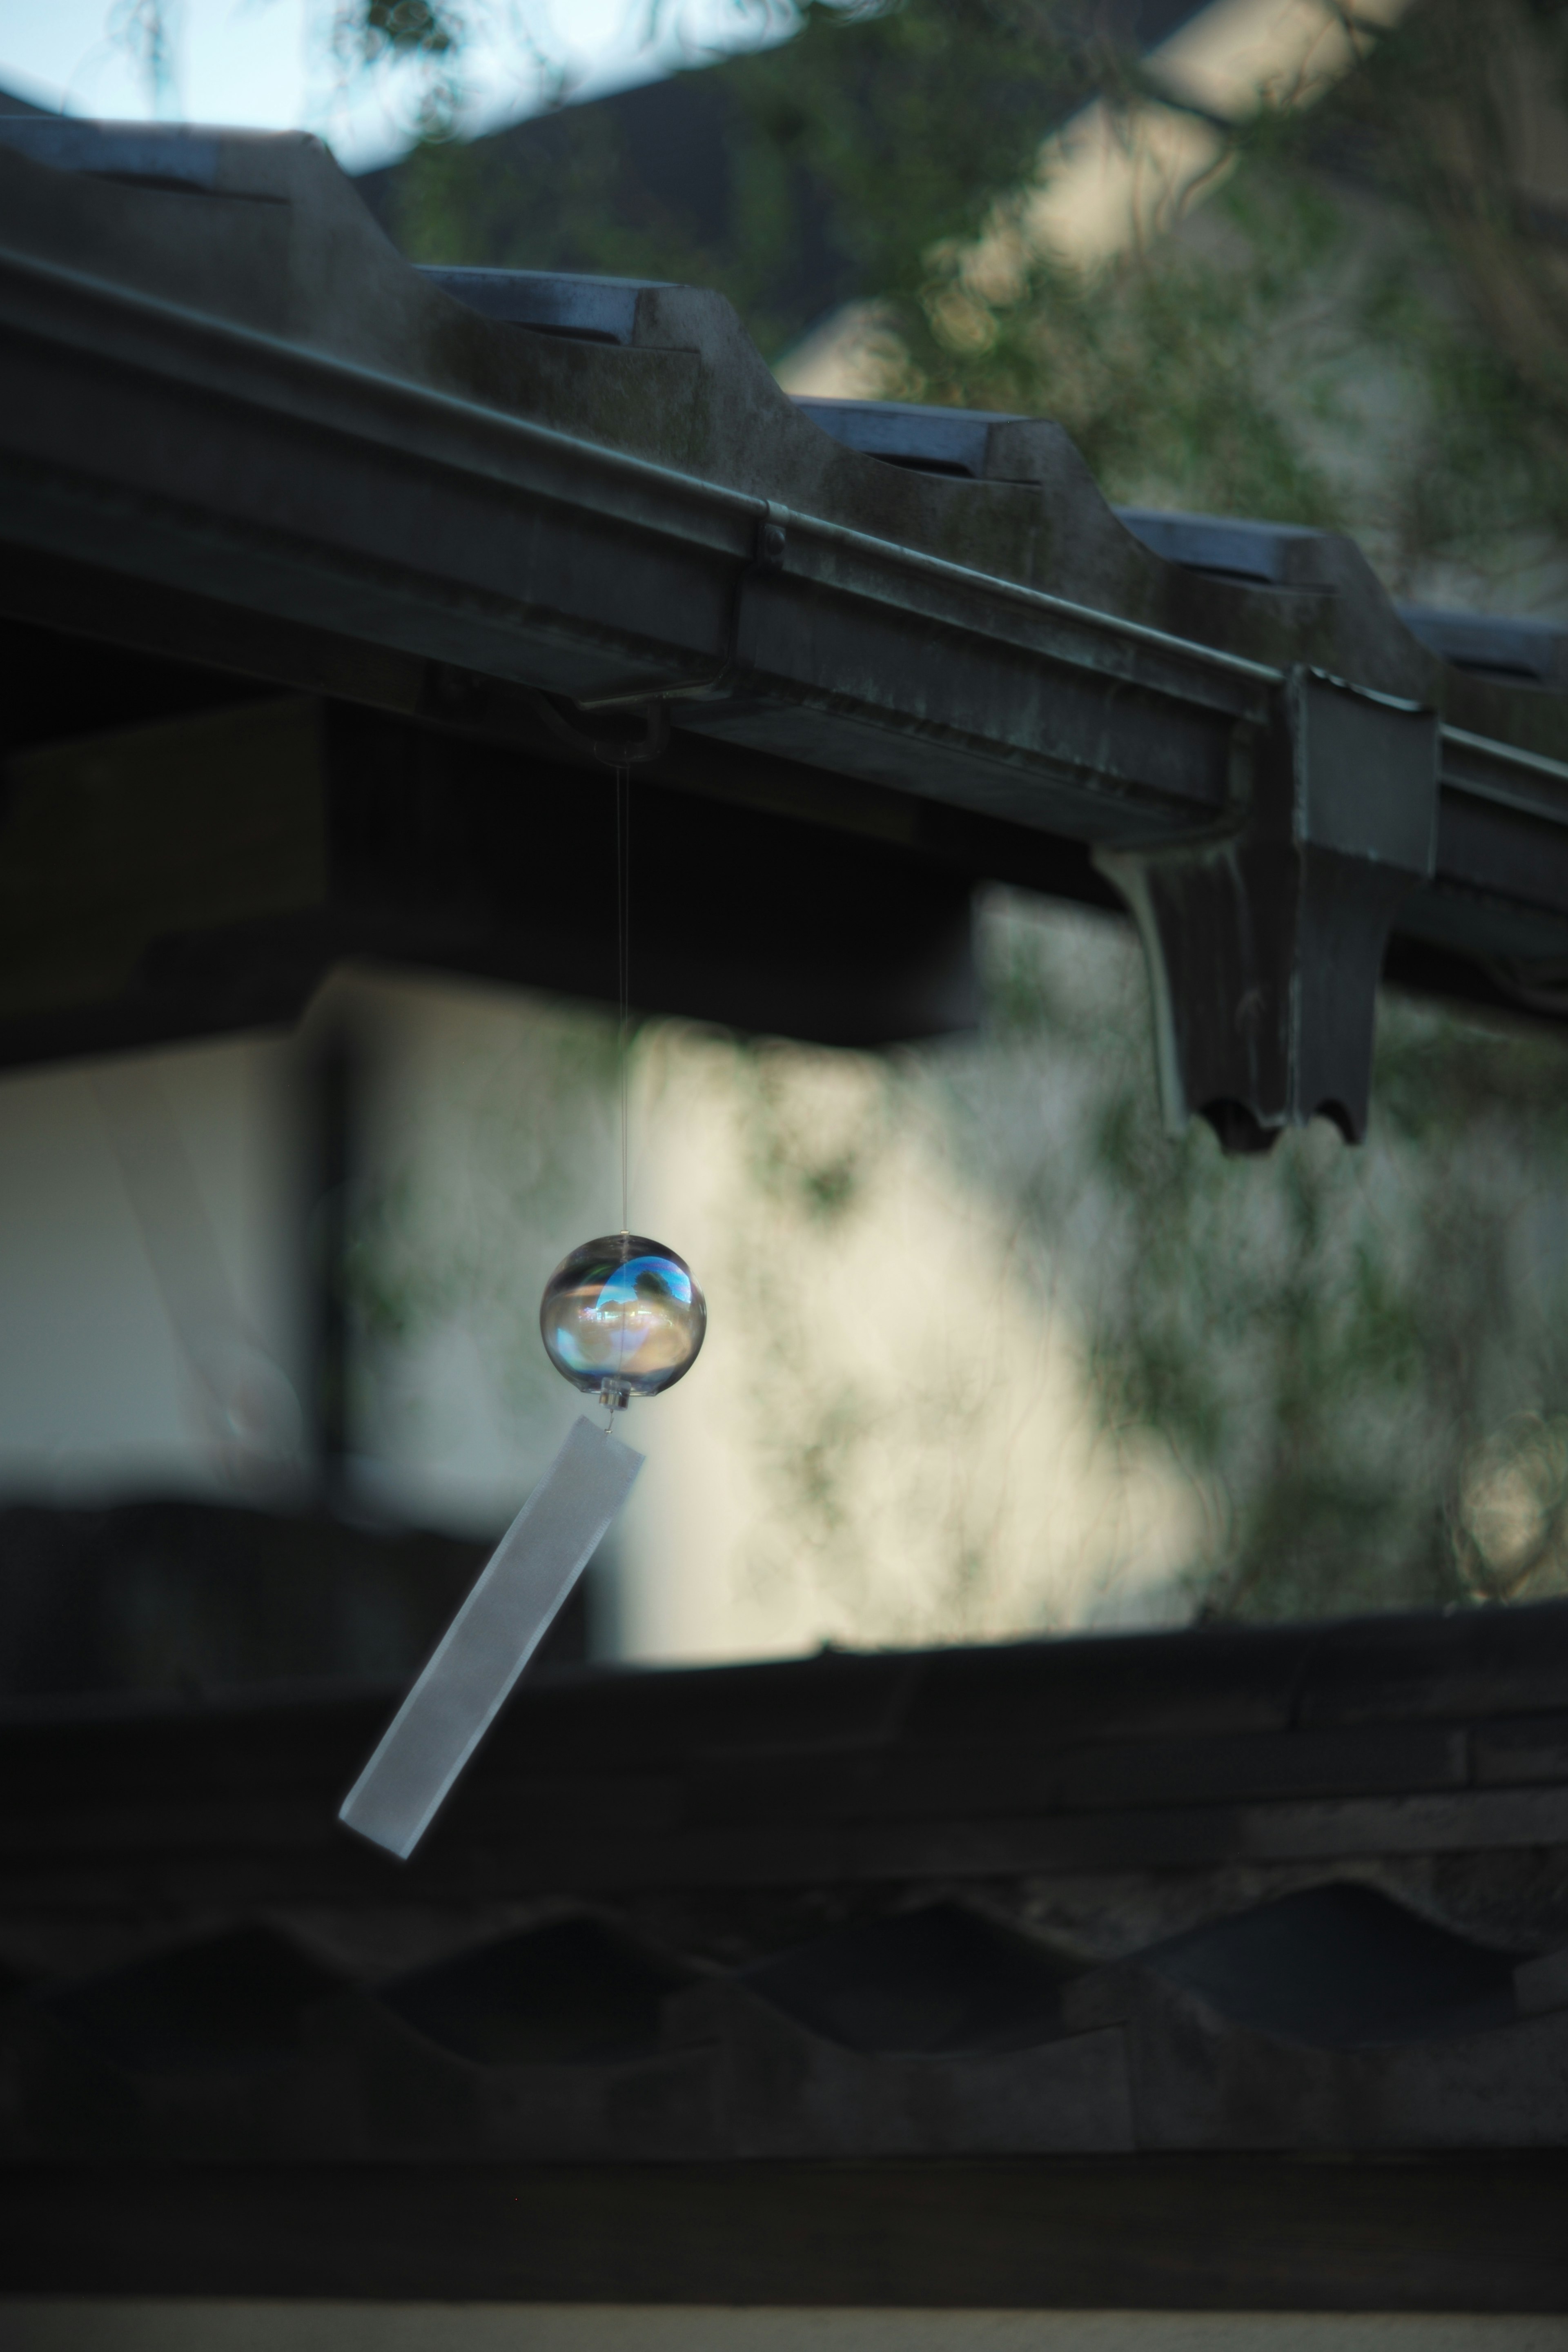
x: 622, y: 1317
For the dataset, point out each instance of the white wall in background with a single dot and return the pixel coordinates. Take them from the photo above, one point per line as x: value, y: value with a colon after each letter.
x: 111, y: 1378
x: 155, y: 1297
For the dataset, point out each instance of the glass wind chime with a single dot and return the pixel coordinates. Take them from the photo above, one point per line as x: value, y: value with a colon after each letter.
x: 621, y: 1318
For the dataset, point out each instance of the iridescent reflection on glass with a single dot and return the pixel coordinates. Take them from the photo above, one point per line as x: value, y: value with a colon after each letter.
x: 622, y: 1317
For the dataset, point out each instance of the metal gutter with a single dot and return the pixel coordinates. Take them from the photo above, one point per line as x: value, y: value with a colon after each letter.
x: 593, y: 493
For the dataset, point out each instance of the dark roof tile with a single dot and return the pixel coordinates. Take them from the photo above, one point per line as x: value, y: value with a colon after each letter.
x: 939, y: 1980
x: 577, y: 1990
x: 1339, y: 1966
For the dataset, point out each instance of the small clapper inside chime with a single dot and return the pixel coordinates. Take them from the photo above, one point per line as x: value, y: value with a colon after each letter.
x: 621, y: 1318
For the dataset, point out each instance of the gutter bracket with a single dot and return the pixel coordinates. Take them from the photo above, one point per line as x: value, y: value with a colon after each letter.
x: 1265, y: 937
x: 769, y: 548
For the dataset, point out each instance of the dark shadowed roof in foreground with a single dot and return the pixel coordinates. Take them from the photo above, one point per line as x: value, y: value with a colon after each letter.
x: 1134, y: 1902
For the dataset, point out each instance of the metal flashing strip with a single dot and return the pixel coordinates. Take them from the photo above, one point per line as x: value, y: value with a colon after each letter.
x: 1132, y: 633
x: 1510, y: 762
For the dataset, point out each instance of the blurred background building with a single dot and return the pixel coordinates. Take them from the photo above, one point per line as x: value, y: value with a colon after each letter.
x: 988, y: 1354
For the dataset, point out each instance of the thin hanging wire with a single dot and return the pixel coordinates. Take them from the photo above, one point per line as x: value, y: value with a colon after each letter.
x: 624, y: 964
x: 624, y: 949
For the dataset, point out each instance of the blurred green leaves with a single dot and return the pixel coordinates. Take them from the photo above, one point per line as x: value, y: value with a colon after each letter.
x: 789, y: 177
x: 1335, y: 1345
x: 1359, y: 1359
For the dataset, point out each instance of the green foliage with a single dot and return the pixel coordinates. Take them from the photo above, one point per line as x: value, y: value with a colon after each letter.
x: 401, y: 28
x: 1351, y: 1355
x: 1367, y: 326
x: 1250, y: 365
x: 803, y: 173
x: 1359, y: 1359
x: 431, y: 38
x: 144, y: 30
x: 1165, y: 373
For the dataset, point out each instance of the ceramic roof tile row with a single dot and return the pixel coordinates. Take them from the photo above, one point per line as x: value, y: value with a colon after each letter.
x: 1288, y: 1889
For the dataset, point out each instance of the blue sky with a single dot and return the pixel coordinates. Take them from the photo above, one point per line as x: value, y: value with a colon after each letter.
x: 264, y: 63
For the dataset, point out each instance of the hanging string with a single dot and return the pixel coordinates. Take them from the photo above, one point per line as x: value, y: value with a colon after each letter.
x: 623, y: 994
x: 624, y: 951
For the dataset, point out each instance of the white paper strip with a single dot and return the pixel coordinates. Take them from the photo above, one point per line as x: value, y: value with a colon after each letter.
x: 490, y: 1640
